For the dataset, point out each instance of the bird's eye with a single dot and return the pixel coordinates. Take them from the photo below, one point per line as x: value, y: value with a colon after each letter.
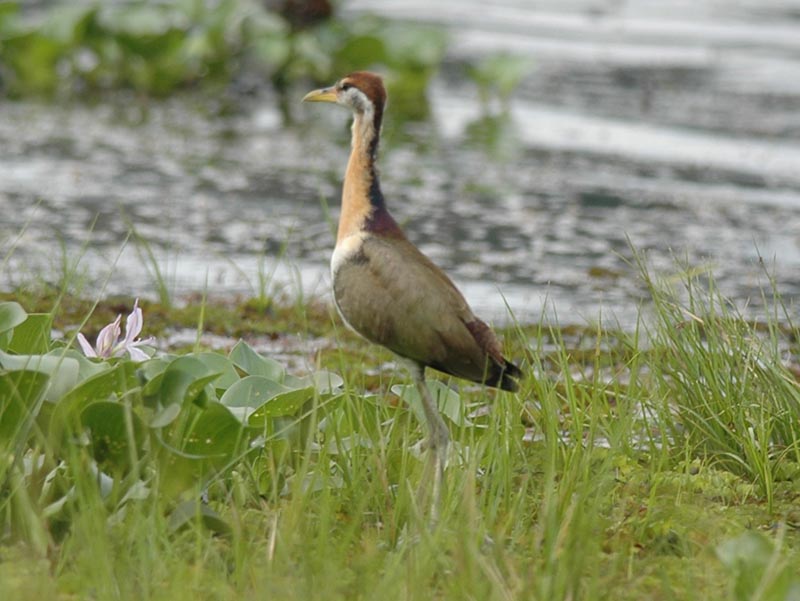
x: 346, y: 86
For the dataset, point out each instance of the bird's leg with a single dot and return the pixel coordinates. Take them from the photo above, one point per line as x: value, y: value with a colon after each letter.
x: 436, y: 443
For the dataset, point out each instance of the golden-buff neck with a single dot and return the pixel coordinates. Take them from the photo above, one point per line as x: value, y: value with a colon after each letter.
x: 361, y: 194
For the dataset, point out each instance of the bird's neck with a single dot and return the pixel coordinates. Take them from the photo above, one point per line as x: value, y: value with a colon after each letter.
x: 363, y: 206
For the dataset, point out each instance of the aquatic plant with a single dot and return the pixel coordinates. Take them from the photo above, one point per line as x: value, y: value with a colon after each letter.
x: 109, y: 344
x: 622, y: 465
x: 158, y: 48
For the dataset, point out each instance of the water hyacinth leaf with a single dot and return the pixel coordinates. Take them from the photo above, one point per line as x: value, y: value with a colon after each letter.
x: 173, y: 385
x: 751, y: 560
x: 150, y: 391
x: 447, y: 400
x: 111, y: 383
x: 267, y: 36
x: 166, y: 416
x: 271, y: 50
x: 32, y: 336
x: 67, y: 24
x: 216, y: 433
x: 222, y: 365
x: 313, y: 482
x: 418, y: 47
x: 20, y: 392
x: 136, y: 20
x: 192, y: 510
x: 155, y: 366
x: 63, y: 371
x: 751, y: 551
x: 502, y: 72
x: 251, y: 391
x: 324, y: 381
x: 32, y: 59
x: 281, y: 405
x: 8, y: 10
x: 200, y: 392
x: 352, y: 53
x: 86, y: 367
x: 117, y: 434
x: 253, y: 364
x: 183, y: 381
x: 11, y: 315
x: 292, y: 382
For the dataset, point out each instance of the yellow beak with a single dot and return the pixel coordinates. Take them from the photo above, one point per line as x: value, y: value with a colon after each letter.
x: 321, y: 95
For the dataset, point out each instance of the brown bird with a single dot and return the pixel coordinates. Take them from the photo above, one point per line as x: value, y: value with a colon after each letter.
x: 388, y: 291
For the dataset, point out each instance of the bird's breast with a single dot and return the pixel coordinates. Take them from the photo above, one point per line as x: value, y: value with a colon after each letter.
x: 348, y: 250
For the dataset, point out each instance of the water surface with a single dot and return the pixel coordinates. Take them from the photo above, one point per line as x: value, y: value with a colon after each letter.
x: 673, y: 129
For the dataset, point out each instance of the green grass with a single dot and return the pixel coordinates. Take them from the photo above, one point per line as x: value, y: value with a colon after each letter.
x: 655, y: 464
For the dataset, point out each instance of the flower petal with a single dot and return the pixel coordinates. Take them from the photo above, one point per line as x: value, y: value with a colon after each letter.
x: 85, y: 346
x: 134, y: 323
x: 107, y: 338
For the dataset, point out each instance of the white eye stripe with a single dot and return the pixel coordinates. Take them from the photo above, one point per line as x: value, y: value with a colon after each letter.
x: 357, y: 99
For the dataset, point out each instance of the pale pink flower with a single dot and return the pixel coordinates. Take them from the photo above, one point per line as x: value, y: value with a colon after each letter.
x: 108, y: 343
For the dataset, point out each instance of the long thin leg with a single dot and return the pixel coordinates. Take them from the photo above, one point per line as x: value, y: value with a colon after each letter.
x: 437, y: 441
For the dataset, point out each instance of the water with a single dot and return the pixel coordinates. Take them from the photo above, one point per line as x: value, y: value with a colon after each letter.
x: 676, y: 128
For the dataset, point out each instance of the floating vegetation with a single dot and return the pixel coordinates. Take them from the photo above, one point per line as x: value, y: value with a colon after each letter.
x: 156, y: 49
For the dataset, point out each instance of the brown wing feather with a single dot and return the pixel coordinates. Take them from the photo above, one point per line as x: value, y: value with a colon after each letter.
x: 394, y: 296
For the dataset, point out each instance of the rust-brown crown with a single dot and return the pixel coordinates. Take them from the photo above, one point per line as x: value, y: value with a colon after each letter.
x: 371, y: 84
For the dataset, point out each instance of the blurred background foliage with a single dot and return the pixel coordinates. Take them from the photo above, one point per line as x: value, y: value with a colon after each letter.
x: 66, y: 49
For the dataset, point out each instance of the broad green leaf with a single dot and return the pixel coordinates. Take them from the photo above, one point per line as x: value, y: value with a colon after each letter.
x: 281, y: 405
x: 220, y: 364
x: 20, y: 392
x: 313, y: 482
x: 354, y: 51
x: 166, y: 416
x: 253, y: 364
x: 251, y: 391
x: 215, y: 433
x: 417, y: 47
x: 155, y: 366
x: 200, y: 392
x: 32, y: 336
x: 174, y: 385
x: 502, y: 71
x: 324, y: 381
x: 750, y: 550
x: 11, y: 315
x: 117, y: 434
x: 191, y: 510
x: 8, y: 10
x: 67, y: 24
x: 447, y: 400
x: 137, y: 20
x: 111, y: 383
x: 63, y: 371
x: 86, y: 367
x: 183, y: 381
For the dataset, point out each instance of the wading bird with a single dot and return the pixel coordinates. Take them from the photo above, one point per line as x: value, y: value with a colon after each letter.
x: 388, y: 291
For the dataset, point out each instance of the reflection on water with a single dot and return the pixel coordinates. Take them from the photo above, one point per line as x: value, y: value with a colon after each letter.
x: 678, y: 131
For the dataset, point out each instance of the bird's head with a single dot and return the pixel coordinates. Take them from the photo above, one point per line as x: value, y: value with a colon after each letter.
x: 362, y: 91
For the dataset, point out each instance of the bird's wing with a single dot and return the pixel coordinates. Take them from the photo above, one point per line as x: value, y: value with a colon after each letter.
x: 393, y: 295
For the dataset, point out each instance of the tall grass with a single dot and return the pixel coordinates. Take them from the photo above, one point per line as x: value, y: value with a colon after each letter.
x: 624, y: 462
x: 721, y: 380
